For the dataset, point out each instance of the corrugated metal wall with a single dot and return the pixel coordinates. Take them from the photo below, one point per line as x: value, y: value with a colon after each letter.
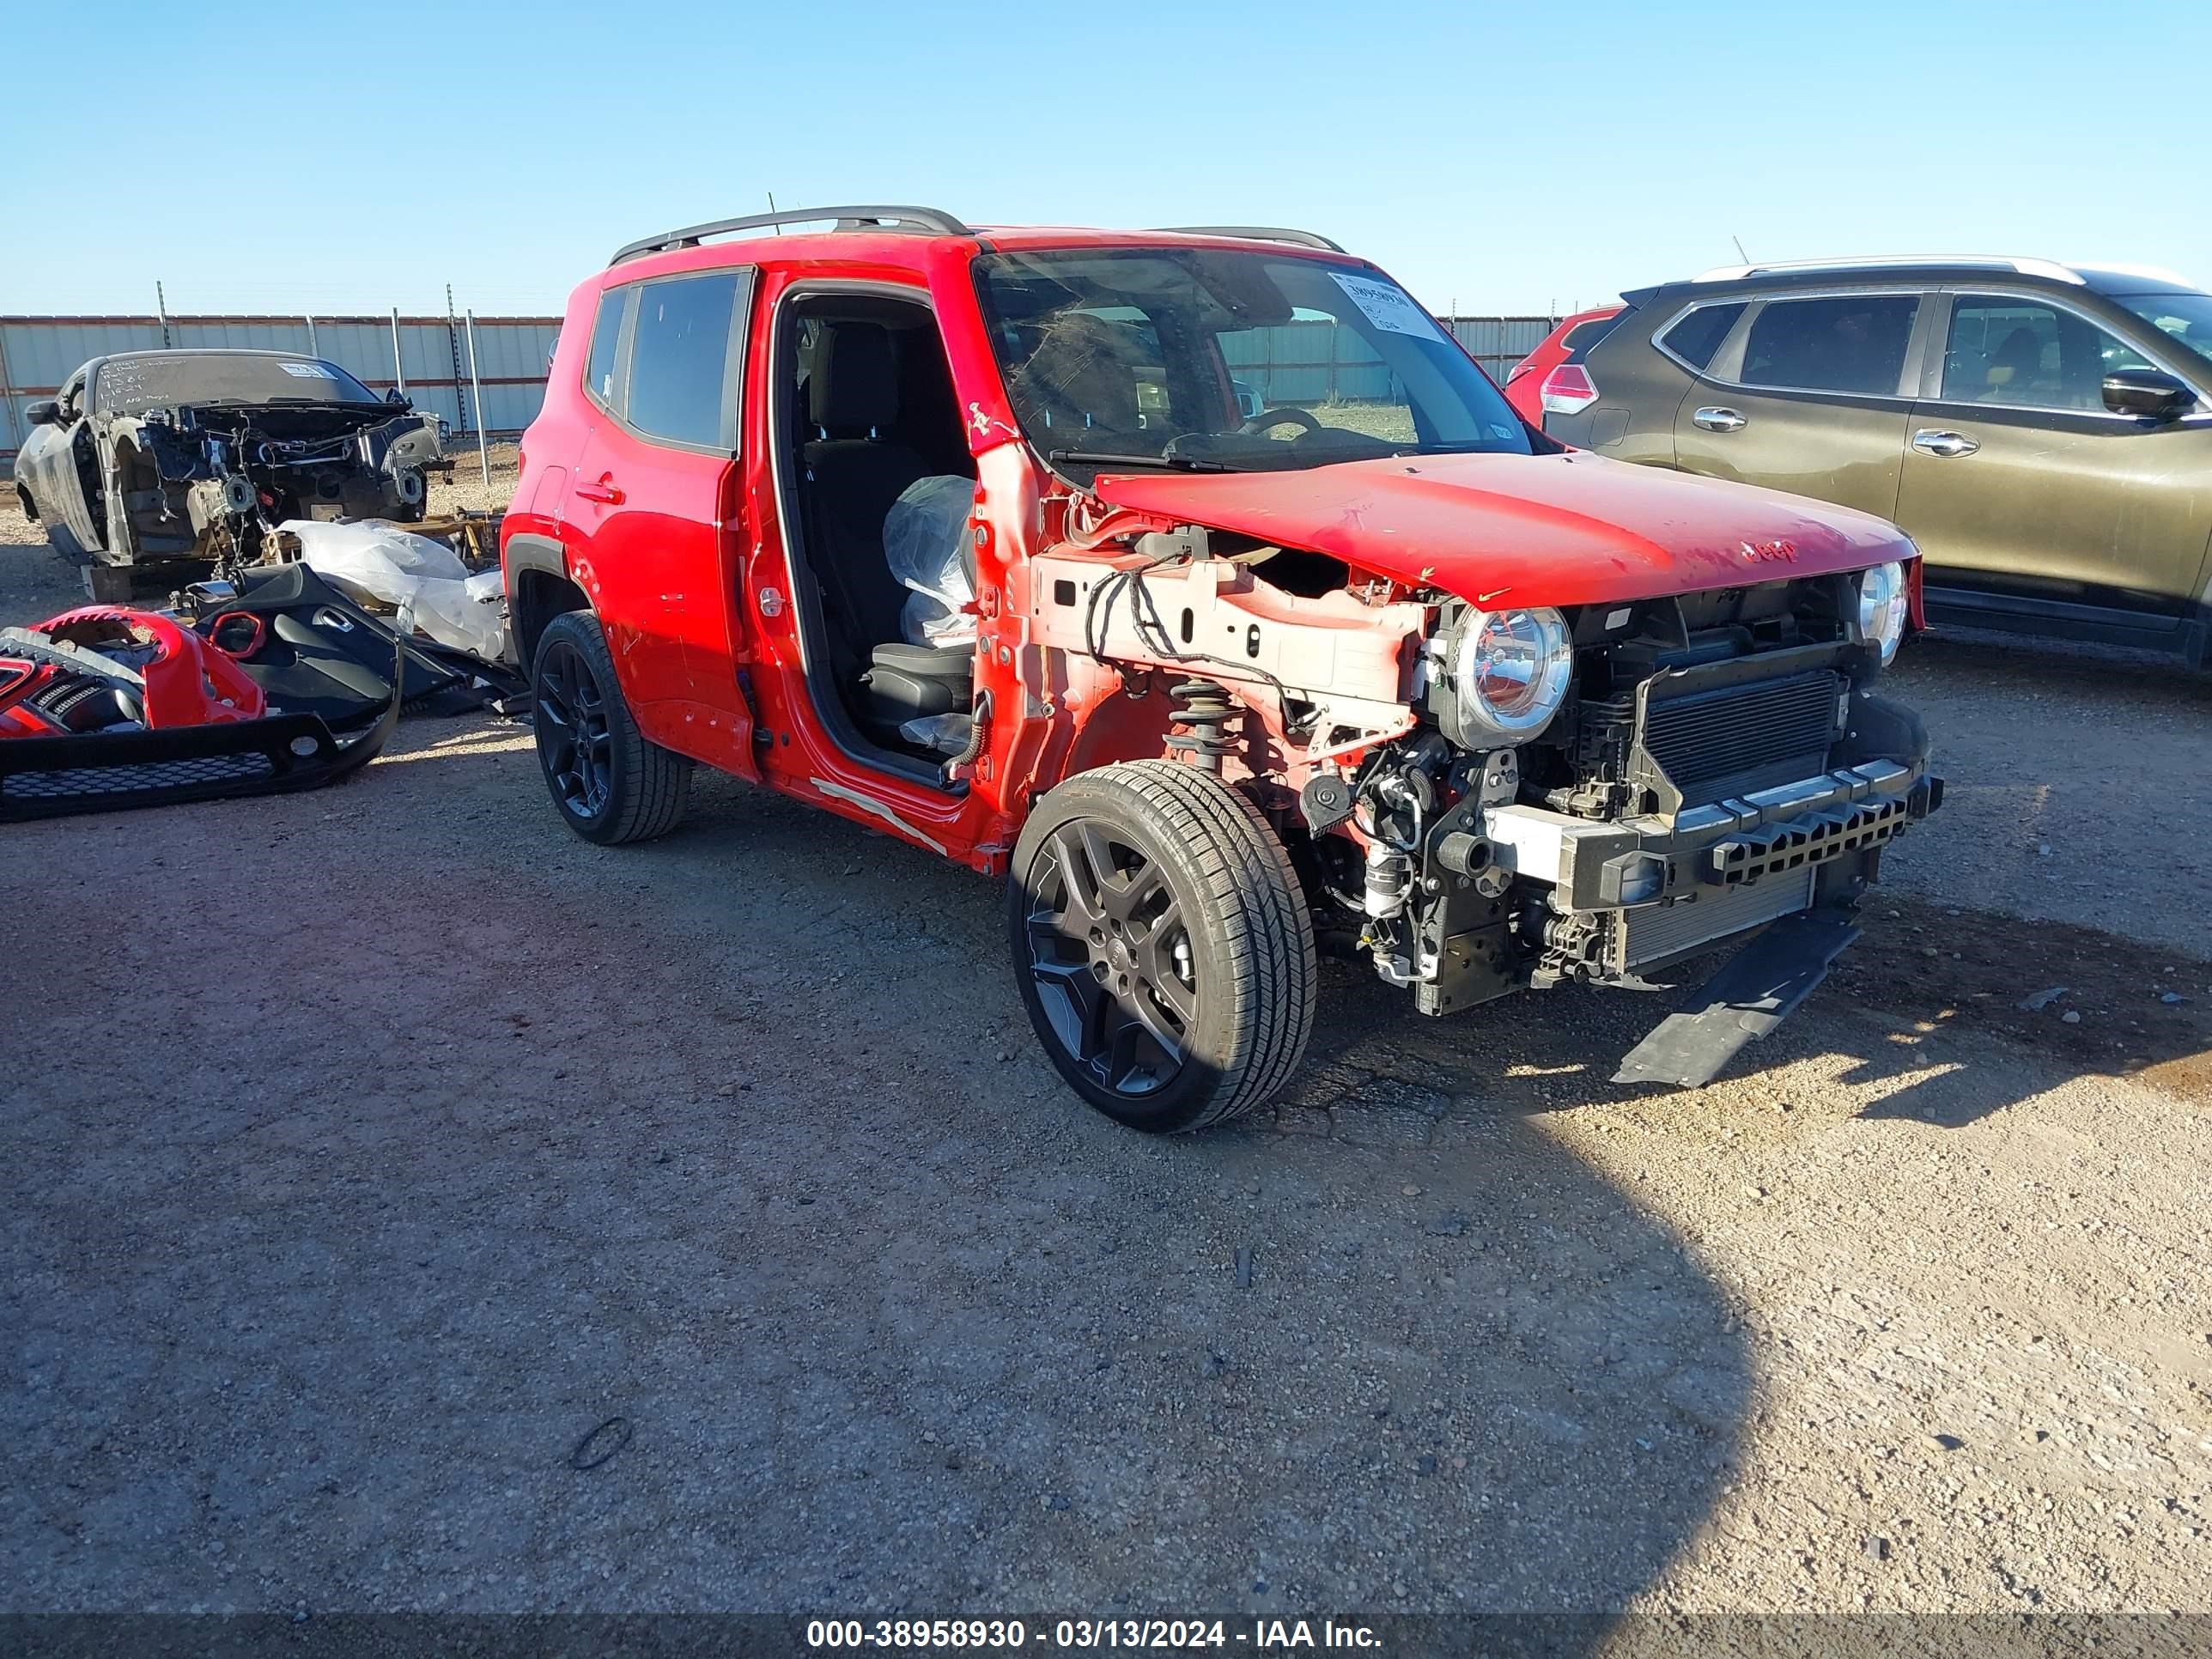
x: 1319, y: 362
x: 37, y: 354
x: 1298, y: 362
x: 1499, y: 343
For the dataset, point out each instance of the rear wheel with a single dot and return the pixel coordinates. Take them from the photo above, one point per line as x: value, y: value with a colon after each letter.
x: 610, y: 784
x: 1163, y: 948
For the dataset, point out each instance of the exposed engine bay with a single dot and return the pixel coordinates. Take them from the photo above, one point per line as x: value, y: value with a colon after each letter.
x: 212, y: 481
x: 1481, y: 801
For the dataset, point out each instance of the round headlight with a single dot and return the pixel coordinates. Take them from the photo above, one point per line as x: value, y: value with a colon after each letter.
x: 1882, y: 606
x: 1510, y: 673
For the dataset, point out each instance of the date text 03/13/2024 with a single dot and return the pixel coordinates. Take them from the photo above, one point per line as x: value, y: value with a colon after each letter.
x: 990, y: 1635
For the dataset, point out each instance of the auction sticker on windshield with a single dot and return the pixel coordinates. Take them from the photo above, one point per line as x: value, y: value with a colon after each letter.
x: 307, y: 371
x: 1387, y: 306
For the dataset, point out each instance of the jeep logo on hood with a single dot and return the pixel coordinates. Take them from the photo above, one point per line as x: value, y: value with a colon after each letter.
x: 1783, y: 552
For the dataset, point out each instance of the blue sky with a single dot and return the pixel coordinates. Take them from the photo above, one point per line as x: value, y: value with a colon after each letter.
x: 1506, y: 159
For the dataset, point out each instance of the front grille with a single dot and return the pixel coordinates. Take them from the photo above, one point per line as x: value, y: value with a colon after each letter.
x: 1736, y: 738
x: 1651, y: 933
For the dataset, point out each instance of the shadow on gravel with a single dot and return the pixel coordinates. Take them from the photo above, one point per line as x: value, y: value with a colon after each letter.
x: 319, y: 1274
x: 2083, y: 674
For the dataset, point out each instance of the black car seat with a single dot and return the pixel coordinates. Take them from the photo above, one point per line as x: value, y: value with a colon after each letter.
x: 854, y: 470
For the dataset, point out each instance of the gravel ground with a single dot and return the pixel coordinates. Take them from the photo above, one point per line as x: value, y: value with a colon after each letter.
x: 465, y: 488
x: 367, y: 1148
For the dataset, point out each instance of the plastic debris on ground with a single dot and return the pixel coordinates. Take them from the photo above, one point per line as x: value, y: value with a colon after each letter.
x: 393, y: 566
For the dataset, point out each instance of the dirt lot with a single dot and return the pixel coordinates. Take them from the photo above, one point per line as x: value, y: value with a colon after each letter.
x: 366, y: 1149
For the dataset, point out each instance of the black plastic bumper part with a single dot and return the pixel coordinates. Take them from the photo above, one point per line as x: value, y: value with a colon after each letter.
x: 49, y: 777
x: 1761, y: 985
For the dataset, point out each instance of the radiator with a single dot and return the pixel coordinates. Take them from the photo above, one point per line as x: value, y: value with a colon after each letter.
x: 1651, y: 933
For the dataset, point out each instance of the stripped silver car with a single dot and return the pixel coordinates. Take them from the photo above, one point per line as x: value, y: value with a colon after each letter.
x: 154, y: 456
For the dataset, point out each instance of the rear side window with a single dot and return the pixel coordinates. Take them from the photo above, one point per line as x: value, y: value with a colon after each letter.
x: 1852, y: 342
x: 679, y: 355
x: 606, y: 335
x: 1699, y: 335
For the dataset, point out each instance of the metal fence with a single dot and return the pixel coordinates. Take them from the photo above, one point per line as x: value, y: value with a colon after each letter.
x: 1314, y: 362
x: 429, y: 357
x: 1499, y: 343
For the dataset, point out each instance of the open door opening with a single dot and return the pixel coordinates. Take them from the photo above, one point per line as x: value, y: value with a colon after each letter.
x: 879, y: 489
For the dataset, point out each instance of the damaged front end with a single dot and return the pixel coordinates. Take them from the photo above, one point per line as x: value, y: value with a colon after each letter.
x: 1482, y: 802
x: 211, y: 481
x: 105, y: 708
x: 1713, y: 765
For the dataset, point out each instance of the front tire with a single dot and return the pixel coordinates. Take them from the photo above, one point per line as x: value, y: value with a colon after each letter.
x: 610, y: 783
x: 1163, y: 945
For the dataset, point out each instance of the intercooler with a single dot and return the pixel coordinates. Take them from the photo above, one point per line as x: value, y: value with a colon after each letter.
x: 1652, y: 932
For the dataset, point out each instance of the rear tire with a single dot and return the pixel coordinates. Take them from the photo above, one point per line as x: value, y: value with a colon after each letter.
x: 610, y: 783
x: 1163, y: 948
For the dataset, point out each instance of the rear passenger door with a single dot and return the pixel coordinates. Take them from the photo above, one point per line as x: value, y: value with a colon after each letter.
x: 1810, y: 393
x: 652, y: 509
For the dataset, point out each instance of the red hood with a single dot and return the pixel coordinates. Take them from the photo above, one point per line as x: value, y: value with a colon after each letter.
x: 1499, y: 530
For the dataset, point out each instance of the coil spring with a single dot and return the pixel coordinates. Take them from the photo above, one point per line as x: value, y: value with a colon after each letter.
x: 1205, y: 716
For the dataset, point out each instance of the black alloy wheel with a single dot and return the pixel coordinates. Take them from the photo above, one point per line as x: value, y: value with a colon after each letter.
x: 1111, y: 956
x: 1162, y: 944
x: 572, y: 730
x: 610, y: 782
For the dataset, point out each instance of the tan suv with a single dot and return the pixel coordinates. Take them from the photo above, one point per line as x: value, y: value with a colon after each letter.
x: 2043, y: 432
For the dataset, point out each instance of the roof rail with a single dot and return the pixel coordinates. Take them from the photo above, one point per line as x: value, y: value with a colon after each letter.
x: 2045, y: 267
x: 927, y: 219
x: 1259, y: 234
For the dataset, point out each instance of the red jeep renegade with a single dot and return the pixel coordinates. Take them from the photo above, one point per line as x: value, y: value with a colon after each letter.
x: 1199, y: 585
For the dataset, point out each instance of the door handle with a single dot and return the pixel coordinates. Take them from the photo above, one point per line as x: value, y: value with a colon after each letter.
x: 604, y: 490
x: 1719, y: 419
x: 1946, y: 444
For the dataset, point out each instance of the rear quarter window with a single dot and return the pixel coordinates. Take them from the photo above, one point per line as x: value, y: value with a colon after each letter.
x: 606, y: 337
x: 1695, y: 337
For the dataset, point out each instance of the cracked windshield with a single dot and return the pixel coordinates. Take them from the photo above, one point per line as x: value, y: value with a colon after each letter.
x: 1207, y: 360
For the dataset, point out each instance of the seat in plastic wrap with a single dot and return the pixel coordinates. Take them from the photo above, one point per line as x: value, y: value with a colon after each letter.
x: 932, y: 670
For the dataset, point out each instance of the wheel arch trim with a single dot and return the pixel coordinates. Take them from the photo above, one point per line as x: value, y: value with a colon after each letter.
x: 526, y: 555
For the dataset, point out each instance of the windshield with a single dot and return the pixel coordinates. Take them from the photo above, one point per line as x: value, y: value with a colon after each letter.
x: 2186, y: 317
x: 131, y: 385
x: 1228, y: 361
